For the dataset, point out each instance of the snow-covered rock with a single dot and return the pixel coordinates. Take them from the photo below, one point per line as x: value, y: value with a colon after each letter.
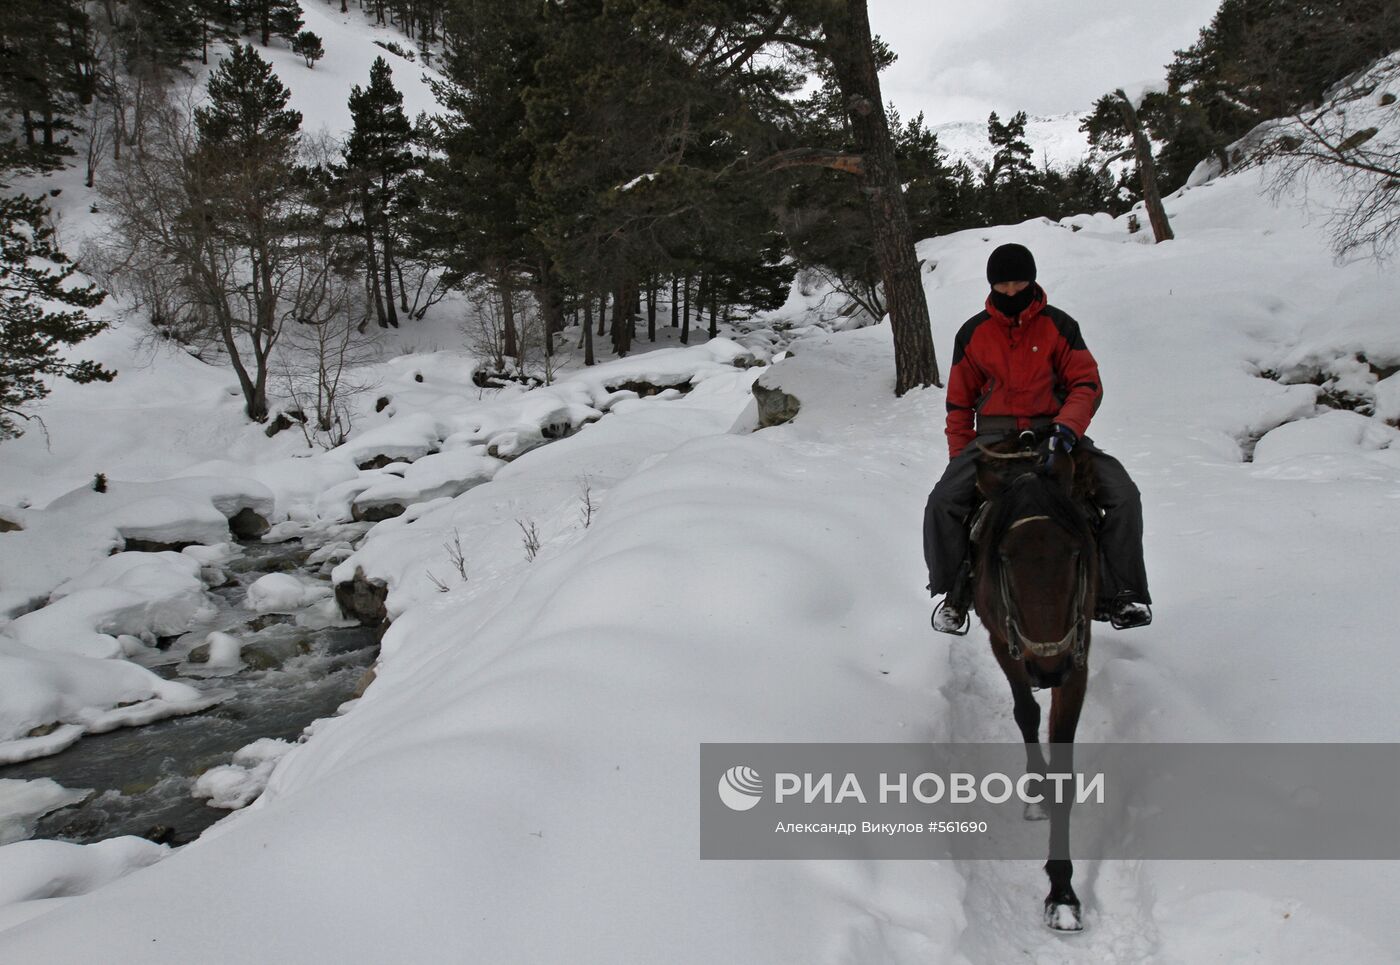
x: 236, y: 785
x: 284, y: 593
x: 24, y: 802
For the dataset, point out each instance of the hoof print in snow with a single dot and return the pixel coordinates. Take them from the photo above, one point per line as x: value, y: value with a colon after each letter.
x: 363, y: 599
x: 246, y: 524
x: 775, y: 406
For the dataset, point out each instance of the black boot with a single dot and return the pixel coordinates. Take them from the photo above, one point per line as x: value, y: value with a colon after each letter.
x: 1124, y: 612
x: 950, y: 616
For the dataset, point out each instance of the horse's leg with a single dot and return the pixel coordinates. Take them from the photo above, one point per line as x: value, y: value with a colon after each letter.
x: 1027, y: 713
x: 1062, y: 909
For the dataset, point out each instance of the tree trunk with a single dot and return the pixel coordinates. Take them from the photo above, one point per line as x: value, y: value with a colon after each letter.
x: 621, y: 322
x: 603, y: 314
x: 551, y: 307
x: 685, y: 315
x: 512, y: 342
x: 675, y: 302
x: 634, y: 310
x: 588, y: 358
x: 1147, y: 171
x: 390, y: 311
x: 373, y: 274
x: 714, y: 311
x: 852, y: 56
x: 651, y: 308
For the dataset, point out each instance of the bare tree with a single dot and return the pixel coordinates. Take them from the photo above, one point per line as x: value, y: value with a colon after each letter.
x: 320, y: 356
x: 207, y: 245
x: 1346, y: 143
x: 485, y: 324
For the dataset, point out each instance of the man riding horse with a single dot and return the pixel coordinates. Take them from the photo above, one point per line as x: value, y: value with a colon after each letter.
x: 1022, y: 364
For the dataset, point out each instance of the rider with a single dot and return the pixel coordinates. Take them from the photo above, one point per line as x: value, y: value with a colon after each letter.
x: 1021, y: 364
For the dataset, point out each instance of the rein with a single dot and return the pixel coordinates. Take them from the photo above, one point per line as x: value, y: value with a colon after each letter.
x: 1078, y: 636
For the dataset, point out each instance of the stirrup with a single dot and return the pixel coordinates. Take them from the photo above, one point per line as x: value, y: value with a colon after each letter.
x: 961, y: 629
x: 1125, y: 613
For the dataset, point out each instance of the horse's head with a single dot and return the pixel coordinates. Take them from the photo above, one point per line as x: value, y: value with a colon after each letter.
x: 1037, y: 557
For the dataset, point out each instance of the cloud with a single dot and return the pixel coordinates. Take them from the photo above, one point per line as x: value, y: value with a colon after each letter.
x: 960, y: 61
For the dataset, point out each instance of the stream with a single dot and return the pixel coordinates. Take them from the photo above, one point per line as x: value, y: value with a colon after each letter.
x: 141, y: 777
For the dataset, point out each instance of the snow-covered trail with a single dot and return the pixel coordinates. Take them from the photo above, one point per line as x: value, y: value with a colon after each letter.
x: 520, y: 779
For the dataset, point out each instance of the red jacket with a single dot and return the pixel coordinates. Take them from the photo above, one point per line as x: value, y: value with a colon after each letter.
x: 1033, y: 366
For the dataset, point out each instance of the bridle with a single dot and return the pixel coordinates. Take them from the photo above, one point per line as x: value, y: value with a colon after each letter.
x: 1076, y: 640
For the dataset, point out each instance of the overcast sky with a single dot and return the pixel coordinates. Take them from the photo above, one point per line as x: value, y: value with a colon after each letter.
x: 961, y: 59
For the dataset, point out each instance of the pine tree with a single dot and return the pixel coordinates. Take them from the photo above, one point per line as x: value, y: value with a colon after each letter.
x: 31, y: 331
x: 378, y: 161
x: 308, y: 45
x: 1010, y: 181
x: 477, y: 194
x: 247, y: 115
x: 1257, y: 60
x: 245, y: 185
x: 46, y: 72
x: 270, y: 17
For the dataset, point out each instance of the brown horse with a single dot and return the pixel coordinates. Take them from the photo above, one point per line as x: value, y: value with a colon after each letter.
x: 1034, y: 580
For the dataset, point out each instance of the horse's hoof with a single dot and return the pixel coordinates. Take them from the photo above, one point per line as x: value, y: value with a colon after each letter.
x: 1035, y: 811
x: 1060, y: 916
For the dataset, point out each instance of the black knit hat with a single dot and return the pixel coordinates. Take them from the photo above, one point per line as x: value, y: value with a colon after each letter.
x: 1010, y: 263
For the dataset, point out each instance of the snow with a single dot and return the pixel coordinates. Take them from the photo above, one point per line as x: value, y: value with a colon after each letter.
x: 651, y: 176
x: 1331, y: 433
x: 283, y: 593
x: 23, y: 802
x: 34, y: 870
x: 81, y: 528
x: 236, y: 785
x: 1056, y: 139
x: 224, y: 649
x: 519, y: 779
x: 42, y: 688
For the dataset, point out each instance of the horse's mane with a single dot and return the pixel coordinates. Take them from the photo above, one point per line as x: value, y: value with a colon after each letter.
x: 1031, y: 494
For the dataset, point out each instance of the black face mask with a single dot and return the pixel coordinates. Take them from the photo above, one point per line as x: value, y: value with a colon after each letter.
x: 1013, y: 305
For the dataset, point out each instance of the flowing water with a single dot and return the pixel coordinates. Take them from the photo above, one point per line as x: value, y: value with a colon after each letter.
x: 141, y: 777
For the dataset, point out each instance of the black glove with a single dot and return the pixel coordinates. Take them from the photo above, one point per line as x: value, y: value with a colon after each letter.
x: 1062, y: 437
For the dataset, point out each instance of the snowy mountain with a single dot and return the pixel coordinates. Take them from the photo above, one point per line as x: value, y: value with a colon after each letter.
x: 1055, y: 140
x: 586, y: 581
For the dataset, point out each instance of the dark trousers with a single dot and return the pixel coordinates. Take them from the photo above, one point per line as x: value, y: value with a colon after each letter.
x: 1121, y: 569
